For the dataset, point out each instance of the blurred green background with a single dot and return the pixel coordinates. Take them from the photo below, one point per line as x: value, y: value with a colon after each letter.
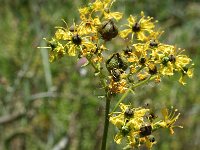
x: 54, y: 106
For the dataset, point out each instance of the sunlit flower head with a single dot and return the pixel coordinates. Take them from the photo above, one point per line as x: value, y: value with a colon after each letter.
x: 169, y: 119
x: 74, y: 39
x: 141, y: 28
x: 104, y: 7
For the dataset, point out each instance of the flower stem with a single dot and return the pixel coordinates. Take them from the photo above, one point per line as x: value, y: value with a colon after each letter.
x: 121, y: 99
x: 108, y: 99
x: 130, y: 89
x: 106, y: 121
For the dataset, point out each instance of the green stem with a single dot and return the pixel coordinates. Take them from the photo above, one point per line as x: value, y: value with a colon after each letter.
x: 108, y: 99
x: 121, y: 99
x: 106, y: 122
x: 101, y: 75
x: 129, y: 90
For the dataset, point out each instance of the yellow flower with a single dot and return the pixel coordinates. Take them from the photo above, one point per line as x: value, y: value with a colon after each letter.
x: 169, y: 119
x: 141, y: 28
x: 186, y: 72
x: 74, y: 40
x: 89, y: 25
x: 119, y: 120
x: 61, y: 34
x: 167, y: 69
x: 117, y: 87
x: 182, y: 61
x: 85, y: 11
x: 109, y: 15
x: 57, y: 49
x: 104, y: 6
x: 118, y: 138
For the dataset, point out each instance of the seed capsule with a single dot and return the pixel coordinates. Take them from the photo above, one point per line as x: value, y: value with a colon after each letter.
x: 151, y: 116
x: 128, y: 113
x: 125, y: 130
x: 76, y: 39
x: 153, y: 43
x: 172, y: 58
x: 108, y: 30
x: 145, y: 130
x: 185, y: 70
x: 152, y: 69
x: 116, y: 61
x: 142, y: 61
x: 136, y: 27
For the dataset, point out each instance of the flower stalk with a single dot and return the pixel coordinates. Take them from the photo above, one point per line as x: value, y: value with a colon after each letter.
x: 106, y: 121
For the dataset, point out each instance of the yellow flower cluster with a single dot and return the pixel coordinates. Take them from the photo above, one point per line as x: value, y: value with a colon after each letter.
x: 137, y: 125
x: 143, y: 58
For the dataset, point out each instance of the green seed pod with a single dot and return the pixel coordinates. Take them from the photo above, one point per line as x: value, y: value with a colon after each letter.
x: 142, y: 61
x: 165, y: 60
x: 108, y: 30
x: 185, y: 70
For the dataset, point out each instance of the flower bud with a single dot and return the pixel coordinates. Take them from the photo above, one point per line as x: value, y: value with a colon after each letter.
x: 108, y: 30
